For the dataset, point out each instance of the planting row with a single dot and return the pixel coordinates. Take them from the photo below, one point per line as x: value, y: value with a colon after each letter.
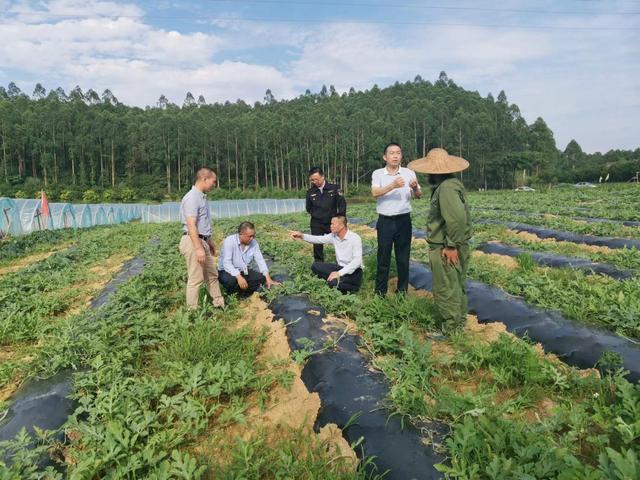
x: 508, y: 419
x: 163, y: 393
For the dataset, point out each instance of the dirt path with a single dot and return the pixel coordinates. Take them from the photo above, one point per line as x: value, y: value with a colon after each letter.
x: 530, y: 237
x: 84, y: 292
x: 286, y: 409
x: 23, y: 262
x: 502, y: 260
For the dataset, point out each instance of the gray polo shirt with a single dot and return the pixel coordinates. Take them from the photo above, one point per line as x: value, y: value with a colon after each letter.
x: 194, y: 204
x: 398, y: 200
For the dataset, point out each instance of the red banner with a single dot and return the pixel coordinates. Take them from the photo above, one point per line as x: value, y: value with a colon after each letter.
x: 44, y: 205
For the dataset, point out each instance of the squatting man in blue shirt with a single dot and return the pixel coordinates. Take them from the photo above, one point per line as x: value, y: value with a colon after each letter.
x: 238, y: 252
x: 346, y: 275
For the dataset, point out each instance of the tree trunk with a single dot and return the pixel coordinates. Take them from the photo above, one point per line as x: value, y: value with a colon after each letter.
x: 244, y: 172
x: 4, y: 155
x: 218, y: 161
x: 277, y: 162
x: 237, y: 164
x: 73, y: 167
x: 255, y: 160
x: 335, y: 159
x: 55, y: 157
x: 113, y: 164
x: 167, y: 161
x: 44, y: 168
x: 286, y: 146
x: 179, y: 170
x: 228, y: 163
x: 282, y: 172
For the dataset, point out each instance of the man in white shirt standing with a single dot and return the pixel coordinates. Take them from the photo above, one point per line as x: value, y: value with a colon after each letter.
x: 196, y: 244
x: 238, y: 251
x: 393, y: 187
x: 346, y: 275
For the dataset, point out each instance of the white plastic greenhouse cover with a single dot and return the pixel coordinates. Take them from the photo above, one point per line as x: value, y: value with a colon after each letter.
x: 170, y: 212
x: 22, y: 216
x: 9, y: 218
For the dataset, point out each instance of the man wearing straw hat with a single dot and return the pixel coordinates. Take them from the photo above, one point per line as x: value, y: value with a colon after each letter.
x: 449, y: 231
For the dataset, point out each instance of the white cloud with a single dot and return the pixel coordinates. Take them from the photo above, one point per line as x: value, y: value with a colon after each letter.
x: 582, y: 82
x: 58, y: 9
x: 356, y: 55
x: 54, y: 45
x: 242, y: 34
x: 141, y: 83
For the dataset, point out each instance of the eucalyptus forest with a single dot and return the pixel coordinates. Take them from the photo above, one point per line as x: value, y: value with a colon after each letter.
x: 83, y: 146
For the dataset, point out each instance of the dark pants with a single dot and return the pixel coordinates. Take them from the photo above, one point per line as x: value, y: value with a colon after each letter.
x: 393, y: 232
x: 230, y: 283
x: 346, y: 284
x: 319, y: 228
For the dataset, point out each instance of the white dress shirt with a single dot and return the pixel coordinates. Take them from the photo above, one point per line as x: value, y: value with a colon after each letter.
x: 348, y: 249
x: 398, y: 200
x: 235, y: 257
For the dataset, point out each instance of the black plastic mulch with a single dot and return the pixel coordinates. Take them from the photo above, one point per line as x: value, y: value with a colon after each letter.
x: 347, y: 385
x: 542, y: 232
x: 576, y: 344
x: 557, y: 261
x: 44, y: 403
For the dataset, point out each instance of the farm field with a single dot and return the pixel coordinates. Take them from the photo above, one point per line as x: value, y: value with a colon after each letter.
x: 159, y: 392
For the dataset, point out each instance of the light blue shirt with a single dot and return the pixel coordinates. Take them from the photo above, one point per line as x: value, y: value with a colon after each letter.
x: 194, y: 204
x: 235, y: 257
x: 398, y: 200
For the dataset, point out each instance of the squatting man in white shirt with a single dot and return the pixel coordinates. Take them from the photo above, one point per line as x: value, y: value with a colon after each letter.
x: 346, y: 275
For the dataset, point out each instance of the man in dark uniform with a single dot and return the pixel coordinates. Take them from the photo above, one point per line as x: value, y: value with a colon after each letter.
x: 324, y: 201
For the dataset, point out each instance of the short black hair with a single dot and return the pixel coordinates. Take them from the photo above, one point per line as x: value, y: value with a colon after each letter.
x: 313, y: 170
x: 342, y: 219
x: 391, y: 144
x: 203, y: 173
x: 246, y: 226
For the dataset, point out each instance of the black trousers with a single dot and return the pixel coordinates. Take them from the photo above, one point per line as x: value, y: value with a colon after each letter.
x: 346, y: 284
x: 393, y: 233
x: 230, y: 283
x: 319, y: 228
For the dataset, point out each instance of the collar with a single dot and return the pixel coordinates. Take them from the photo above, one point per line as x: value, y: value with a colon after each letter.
x: 240, y: 244
x: 204, y: 195
x: 345, y: 235
x: 386, y: 171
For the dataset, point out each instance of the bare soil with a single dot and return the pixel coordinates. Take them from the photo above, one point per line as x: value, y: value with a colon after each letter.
x: 502, y: 260
x: 286, y: 410
x: 530, y: 237
x: 23, y: 262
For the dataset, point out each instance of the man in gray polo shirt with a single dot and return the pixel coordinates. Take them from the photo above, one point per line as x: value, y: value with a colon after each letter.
x: 197, y: 245
x: 393, y: 187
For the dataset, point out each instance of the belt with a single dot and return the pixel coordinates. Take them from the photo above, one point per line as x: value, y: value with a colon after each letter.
x: 203, y: 237
x: 394, y: 216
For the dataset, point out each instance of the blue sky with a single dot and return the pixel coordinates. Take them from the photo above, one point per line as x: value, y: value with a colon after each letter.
x: 576, y: 63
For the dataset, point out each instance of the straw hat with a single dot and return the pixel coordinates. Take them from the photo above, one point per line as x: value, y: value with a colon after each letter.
x: 438, y: 161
